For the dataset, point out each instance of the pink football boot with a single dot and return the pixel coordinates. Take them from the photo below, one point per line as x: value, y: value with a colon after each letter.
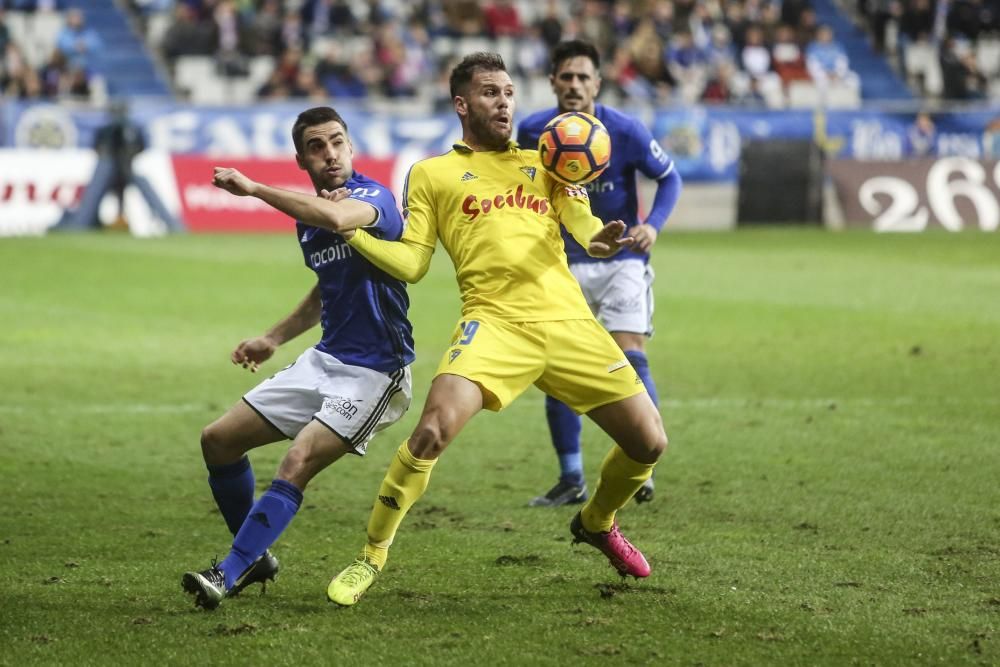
x: 623, y: 556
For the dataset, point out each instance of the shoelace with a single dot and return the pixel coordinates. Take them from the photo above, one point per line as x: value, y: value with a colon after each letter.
x: 215, y: 574
x: 358, y: 572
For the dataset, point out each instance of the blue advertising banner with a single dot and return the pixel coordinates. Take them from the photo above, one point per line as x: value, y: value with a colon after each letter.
x: 705, y: 142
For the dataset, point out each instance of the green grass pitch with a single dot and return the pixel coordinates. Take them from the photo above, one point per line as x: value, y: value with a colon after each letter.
x: 831, y: 495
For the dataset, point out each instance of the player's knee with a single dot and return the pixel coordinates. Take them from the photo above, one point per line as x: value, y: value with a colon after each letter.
x: 659, y: 443
x: 211, y: 442
x: 296, y: 467
x: 429, y: 439
x: 656, y: 436
x: 216, y: 447
x: 651, y: 441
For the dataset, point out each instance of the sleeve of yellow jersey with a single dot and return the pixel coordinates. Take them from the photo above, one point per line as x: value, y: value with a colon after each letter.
x: 409, y: 258
x: 572, y: 205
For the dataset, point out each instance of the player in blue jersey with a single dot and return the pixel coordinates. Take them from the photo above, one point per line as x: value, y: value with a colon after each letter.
x: 618, y: 288
x: 352, y: 383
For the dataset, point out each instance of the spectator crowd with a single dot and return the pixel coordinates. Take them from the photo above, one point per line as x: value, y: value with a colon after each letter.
x: 72, y: 68
x: 664, y: 52
x: 659, y: 51
x: 947, y: 48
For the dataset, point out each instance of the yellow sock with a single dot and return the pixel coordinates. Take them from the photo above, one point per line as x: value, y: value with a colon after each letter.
x: 620, y: 478
x: 405, y: 481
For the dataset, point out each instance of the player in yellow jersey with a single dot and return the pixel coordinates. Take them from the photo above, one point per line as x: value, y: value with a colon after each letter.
x: 524, y: 318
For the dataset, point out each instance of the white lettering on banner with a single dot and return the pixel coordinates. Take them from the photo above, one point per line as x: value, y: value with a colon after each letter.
x: 947, y: 180
x: 264, y: 131
x: 942, y: 191
x: 902, y: 214
x: 380, y: 139
x: 175, y: 132
x: 723, y: 145
x: 964, y: 145
x: 184, y: 132
x: 377, y: 139
x: 421, y: 135
x: 870, y: 141
x: 226, y: 137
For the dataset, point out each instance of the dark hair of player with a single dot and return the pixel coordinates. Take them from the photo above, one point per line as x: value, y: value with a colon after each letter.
x: 311, y: 117
x: 572, y: 48
x: 472, y: 63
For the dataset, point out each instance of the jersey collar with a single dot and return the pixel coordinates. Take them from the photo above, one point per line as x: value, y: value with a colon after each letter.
x: 463, y: 147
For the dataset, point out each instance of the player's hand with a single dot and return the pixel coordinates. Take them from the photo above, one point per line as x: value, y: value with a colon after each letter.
x: 609, y: 240
x: 252, y: 352
x: 644, y: 235
x: 339, y: 194
x: 232, y: 180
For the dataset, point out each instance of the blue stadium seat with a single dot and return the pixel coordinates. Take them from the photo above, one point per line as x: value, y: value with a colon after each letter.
x: 126, y: 64
x: 878, y: 80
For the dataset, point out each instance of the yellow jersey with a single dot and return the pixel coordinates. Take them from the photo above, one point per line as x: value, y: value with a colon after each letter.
x: 497, y: 215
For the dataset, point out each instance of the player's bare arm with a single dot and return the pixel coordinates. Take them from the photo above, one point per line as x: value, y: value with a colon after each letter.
x: 609, y: 240
x: 338, y: 214
x: 252, y: 352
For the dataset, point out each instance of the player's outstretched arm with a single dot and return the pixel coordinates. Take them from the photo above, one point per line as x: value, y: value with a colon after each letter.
x: 338, y: 214
x: 573, y: 207
x: 252, y: 352
x: 609, y: 240
x: 404, y: 260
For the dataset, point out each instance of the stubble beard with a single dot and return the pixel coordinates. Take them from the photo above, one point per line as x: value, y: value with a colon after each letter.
x: 484, y: 132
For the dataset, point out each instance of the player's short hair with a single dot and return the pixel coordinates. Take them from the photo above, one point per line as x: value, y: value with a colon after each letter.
x: 311, y: 117
x: 572, y: 48
x: 474, y: 62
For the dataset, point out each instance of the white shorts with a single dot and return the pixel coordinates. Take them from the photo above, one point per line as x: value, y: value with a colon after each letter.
x: 351, y: 401
x: 620, y: 294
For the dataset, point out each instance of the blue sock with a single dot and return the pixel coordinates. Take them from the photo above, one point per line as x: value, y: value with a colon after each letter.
x: 565, y: 426
x: 232, y: 488
x: 641, y: 365
x: 268, y: 518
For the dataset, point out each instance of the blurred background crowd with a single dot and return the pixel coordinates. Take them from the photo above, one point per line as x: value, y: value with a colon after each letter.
x: 771, y: 53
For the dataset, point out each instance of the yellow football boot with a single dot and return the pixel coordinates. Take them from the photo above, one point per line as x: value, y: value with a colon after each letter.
x: 352, y: 583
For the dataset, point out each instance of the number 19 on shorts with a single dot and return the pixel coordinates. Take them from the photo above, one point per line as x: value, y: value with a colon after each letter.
x: 467, y: 333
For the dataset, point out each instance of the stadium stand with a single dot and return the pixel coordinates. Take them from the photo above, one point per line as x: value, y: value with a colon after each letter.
x: 661, y: 52
x: 392, y: 53
x: 89, y: 50
x: 945, y: 50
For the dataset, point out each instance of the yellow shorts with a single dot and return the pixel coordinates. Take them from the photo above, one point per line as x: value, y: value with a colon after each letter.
x: 576, y: 361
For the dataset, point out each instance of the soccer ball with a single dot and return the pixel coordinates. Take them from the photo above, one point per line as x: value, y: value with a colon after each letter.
x: 575, y: 147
